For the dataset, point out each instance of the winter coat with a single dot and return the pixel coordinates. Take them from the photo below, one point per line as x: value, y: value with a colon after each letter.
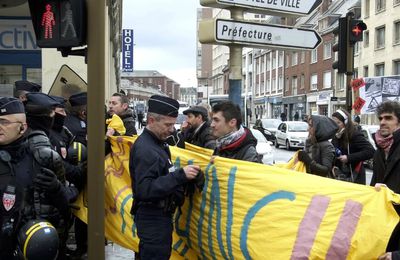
x: 242, y: 149
x: 129, y: 122
x: 322, y: 153
x: 360, y: 150
x: 202, y: 137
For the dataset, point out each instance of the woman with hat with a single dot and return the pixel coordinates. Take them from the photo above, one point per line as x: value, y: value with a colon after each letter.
x: 351, y: 148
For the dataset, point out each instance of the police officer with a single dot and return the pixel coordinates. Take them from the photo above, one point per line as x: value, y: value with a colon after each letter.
x: 29, y: 186
x: 157, y: 186
x: 76, y: 118
x: 22, y: 87
x: 76, y: 123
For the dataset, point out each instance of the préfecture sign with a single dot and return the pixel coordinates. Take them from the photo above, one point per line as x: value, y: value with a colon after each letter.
x: 287, y: 7
x: 230, y: 32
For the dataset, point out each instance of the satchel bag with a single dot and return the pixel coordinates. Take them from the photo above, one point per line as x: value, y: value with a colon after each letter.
x: 345, y: 173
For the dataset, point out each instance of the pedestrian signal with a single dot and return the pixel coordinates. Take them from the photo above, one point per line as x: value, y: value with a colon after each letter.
x: 59, y: 23
x: 356, y: 29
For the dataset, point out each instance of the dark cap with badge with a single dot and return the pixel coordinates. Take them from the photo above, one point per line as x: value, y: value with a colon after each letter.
x: 78, y: 99
x: 10, y: 105
x: 163, y: 106
x: 27, y: 86
x: 39, y: 103
x: 60, y: 100
x: 196, y: 110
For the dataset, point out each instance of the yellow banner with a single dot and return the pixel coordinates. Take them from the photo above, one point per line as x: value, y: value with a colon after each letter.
x: 248, y: 210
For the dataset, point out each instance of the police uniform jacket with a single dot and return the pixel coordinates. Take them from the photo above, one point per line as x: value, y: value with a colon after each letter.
x: 77, y: 128
x: 153, y: 176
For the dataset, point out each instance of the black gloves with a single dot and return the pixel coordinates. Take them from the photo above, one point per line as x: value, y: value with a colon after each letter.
x: 304, y: 157
x: 197, y: 182
x: 47, y: 180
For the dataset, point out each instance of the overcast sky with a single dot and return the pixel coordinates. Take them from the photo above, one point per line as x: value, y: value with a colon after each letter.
x: 164, y: 36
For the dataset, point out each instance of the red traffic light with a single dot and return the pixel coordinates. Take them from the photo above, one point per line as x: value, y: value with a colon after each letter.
x: 356, y: 29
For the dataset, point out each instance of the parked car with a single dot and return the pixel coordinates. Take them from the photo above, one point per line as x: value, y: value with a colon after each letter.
x: 369, y: 131
x: 291, y: 134
x: 264, y: 148
x: 271, y: 125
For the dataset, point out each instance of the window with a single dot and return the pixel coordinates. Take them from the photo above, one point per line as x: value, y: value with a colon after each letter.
x: 340, y: 81
x: 380, y: 5
x: 380, y: 69
x: 268, y: 63
x: 294, y: 58
x: 302, y: 81
x: 396, y: 29
x: 380, y: 37
x: 302, y: 56
x: 287, y: 61
x: 286, y: 85
x: 366, y: 39
x: 327, y: 82
x: 327, y: 50
x: 34, y: 75
x: 280, y: 82
x: 396, y: 67
x: 262, y: 61
x: 280, y: 58
x: 273, y: 60
x: 366, y: 8
x: 365, y: 73
x: 357, y: 48
x: 294, y: 85
x: 268, y: 85
x: 274, y: 85
x: 314, y: 82
x: 314, y: 56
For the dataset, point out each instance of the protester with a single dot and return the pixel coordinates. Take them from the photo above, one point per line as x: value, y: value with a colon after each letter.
x: 357, y: 122
x: 140, y: 119
x: 387, y: 163
x: 156, y: 184
x: 199, y: 130
x: 119, y: 105
x: 351, y: 148
x: 233, y: 140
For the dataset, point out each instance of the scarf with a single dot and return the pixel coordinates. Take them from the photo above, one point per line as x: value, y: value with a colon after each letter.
x: 384, y: 142
x: 230, y: 138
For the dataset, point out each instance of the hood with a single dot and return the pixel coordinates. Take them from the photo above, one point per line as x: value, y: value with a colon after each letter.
x: 325, y: 127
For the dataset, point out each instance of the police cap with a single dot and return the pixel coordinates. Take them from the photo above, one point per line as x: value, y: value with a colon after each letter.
x: 10, y: 105
x: 163, y: 106
x: 39, y: 104
x: 60, y: 100
x: 27, y: 86
x: 78, y: 99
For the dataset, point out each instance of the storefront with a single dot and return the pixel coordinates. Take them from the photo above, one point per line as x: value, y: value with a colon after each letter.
x: 20, y: 58
x: 259, y: 107
x: 323, y: 103
x: 293, y: 105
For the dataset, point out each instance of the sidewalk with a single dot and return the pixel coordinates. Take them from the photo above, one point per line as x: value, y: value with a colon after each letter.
x: 116, y: 252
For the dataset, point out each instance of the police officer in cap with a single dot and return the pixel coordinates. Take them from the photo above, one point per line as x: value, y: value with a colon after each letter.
x: 157, y: 186
x: 22, y: 87
x: 25, y: 185
x: 76, y: 119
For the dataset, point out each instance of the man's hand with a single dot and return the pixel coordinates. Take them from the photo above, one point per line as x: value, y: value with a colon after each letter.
x: 387, y: 256
x: 343, y: 158
x: 378, y: 187
x: 191, y: 171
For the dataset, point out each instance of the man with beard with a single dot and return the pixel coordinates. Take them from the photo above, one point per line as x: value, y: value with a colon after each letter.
x: 199, y: 130
x: 233, y: 140
x: 119, y: 105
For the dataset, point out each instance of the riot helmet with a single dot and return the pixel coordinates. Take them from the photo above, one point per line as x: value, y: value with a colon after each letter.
x: 38, y: 239
x: 77, y: 153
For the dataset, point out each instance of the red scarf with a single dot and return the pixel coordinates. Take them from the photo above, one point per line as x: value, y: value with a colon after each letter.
x: 384, y: 142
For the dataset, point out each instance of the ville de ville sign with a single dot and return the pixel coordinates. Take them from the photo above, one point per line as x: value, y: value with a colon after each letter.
x: 270, y: 7
x: 248, y: 34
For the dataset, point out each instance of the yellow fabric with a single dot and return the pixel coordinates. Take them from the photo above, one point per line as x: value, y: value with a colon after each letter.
x: 116, y: 123
x: 255, y: 211
x: 293, y: 164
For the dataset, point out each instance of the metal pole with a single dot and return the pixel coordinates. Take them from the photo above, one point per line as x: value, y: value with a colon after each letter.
x: 235, y: 66
x: 97, y: 15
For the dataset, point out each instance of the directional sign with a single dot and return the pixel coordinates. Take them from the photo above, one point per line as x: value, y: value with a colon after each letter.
x: 255, y: 35
x: 272, y: 7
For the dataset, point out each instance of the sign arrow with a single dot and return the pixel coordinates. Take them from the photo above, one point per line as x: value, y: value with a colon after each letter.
x: 255, y: 35
x: 270, y: 7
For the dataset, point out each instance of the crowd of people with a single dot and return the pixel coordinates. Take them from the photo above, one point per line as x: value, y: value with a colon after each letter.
x: 41, y: 172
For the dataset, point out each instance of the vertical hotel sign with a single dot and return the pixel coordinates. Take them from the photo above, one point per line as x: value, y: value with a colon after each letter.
x: 127, y: 50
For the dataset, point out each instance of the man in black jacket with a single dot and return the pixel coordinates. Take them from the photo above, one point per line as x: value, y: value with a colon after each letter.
x: 119, y: 105
x: 387, y: 163
x: 233, y: 140
x: 199, y: 130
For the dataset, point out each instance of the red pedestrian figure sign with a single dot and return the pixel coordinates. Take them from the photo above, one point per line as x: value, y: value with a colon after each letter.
x: 48, y: 22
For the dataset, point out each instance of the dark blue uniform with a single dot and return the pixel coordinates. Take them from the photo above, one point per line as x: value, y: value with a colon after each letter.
x: 77, y: 128
x: 158, y: 189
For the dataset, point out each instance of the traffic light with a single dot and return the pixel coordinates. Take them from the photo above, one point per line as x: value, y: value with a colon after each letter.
x: 59, y: 23
x: 355, y: 30
x: 341, y: 46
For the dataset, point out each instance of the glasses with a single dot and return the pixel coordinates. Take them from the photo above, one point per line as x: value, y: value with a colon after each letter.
x: 5, y: 122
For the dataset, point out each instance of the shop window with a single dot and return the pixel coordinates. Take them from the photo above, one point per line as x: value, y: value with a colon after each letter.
x: 10, y: 73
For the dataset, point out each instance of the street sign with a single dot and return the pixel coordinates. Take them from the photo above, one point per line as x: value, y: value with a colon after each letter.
x: 255, y: 35
x: 271, y: 7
